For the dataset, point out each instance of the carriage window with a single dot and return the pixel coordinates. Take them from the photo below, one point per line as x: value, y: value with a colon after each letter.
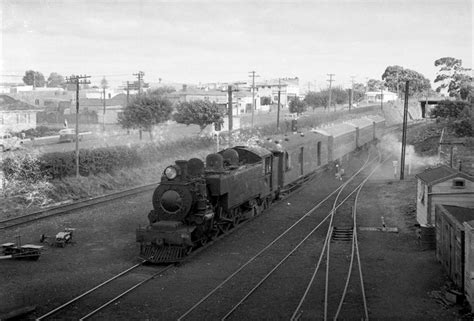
x: 287, y: 162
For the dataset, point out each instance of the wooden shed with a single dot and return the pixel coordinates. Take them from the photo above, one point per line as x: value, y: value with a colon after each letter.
x: 450, y: 240
x: 442, y: 185
x: 469, y: 262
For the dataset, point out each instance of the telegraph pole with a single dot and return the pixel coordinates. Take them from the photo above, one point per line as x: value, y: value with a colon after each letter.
x: 351, y: 98
x: 230, y: 109
x: 381, y: 97
x: 278, y: 108
x: 139, y: 76
x: 253, y: 92
x: 78, y: 80
x: 404, y: 133
x: 330, y: 91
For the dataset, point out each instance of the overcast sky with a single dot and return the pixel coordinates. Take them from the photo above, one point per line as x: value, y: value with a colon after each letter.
x: 210, y: 41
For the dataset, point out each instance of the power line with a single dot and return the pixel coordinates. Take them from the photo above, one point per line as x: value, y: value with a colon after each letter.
x: 77, y: 80
x: 330, y: 80
x: 139, y: 76
x: 253, y: 75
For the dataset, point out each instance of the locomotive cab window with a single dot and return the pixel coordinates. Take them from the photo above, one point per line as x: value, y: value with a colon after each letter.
x: 268, y: 165
x: 459, y: 183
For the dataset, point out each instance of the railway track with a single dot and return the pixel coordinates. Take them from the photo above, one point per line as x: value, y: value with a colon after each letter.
x: 310, y: 225
x: 65, y: 208
x: 107, y: 293
x: 340, y: 243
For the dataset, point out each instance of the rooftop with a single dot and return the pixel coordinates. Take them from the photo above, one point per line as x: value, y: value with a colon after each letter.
x: 9, y: 103
x: 461, y: 214
x: 434, y: 174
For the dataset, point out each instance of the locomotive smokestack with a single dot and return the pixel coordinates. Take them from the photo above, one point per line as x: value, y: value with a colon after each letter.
x: 183, y: 166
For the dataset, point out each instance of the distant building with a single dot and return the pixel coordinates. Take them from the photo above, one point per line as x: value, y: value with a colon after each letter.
x: 267, y: 92
x: 442, y: 185
x: 378, y: 96
x: 16, y: 115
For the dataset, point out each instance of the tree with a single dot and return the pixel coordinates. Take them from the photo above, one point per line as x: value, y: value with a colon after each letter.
x: 316, y: 99
x: 198, y: 112
x: 55, y: 80
x: 144, y: 112
x: 297, y: 106
x: 374, y: 85
x: 459, y: 116
x: 359, y: 92
x: 161, y: 91
x: 453, y: 76
x: 34, y: 78
x: 396, y: 76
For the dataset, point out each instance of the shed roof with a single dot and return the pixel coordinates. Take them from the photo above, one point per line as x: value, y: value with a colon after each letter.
x: 360, y: 122
x: 440, y: 174
x: 461, y: 214
x: 335, y: 130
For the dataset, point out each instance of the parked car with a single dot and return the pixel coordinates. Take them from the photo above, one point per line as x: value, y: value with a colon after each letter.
x: 9, y: 142
x: 68, y: 135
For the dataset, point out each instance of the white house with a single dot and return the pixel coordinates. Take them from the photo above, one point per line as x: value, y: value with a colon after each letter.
x: 377, y: 96
x: 442, y: 185
x: 16, y: 115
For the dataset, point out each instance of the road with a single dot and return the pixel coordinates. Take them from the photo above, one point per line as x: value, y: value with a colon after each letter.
x: 113, y: 135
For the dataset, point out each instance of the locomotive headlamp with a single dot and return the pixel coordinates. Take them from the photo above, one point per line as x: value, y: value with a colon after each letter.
x: 171, y: 172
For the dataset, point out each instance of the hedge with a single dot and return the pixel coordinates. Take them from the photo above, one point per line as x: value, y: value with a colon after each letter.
x: 100, y: 160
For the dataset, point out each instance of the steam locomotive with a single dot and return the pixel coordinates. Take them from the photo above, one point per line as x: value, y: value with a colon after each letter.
x: 196, y: 201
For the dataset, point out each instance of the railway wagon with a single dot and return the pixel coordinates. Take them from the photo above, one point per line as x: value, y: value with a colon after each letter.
x: 341, y: 140
x: 365, y: 130
x: 299, y: 155
x: 379, y: 125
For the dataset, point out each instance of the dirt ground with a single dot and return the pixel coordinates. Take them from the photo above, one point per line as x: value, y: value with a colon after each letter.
x: 399, y: 273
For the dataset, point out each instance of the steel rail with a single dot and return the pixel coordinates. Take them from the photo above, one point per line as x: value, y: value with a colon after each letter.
x: 103, y: 306
x: 310, y: 283
x: 328, y: 234
x: 89, y: 291
x: 186, y: 313
x: 349, y: 272
x: 61, y: 209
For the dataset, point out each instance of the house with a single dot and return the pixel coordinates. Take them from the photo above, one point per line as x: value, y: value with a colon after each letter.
x: 16, y: 115
x: 442, y: 185
x: 192, y: 94
x: 97, y: 104
x: 267, y: 92
x: 378, y: 96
